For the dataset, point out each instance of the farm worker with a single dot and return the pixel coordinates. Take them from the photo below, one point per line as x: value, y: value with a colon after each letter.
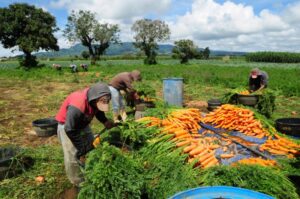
x: 122, y: 82
x: 73, y: 68
x: 56, y: 66
x: 84, y: 67
x: 258, y: 80
x: 74, y: 133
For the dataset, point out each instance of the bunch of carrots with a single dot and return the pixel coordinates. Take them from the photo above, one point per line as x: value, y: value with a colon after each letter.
x: 281, y: 146
x: 245, y: 92
x: 235, y: 118
x: 259, y: 161
x: 183, y: 124
x: 201, y: 151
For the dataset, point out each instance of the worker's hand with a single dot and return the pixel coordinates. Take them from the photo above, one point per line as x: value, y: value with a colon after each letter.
x: 96, y: 141
x: 109, y: 124
x: 136, y: 96
x: 81, y: 160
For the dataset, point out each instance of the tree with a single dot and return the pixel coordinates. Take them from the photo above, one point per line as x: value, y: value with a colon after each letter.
x: 184, y: 49
x: 105, y: 34
x: 206, y: 53
x: 82, y: 26
x: 148, y: 33
x: 85, y: 54
x: 29, y: 28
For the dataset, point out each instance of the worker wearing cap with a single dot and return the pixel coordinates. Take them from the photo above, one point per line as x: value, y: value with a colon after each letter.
x: 74, y: 133
x: 258, y: 80
x: 122, y: 82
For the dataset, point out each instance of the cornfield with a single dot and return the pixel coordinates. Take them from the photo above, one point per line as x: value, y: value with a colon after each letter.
x: 274, y: 57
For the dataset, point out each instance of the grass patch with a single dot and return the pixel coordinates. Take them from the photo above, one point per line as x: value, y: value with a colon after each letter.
x: 48, y: 163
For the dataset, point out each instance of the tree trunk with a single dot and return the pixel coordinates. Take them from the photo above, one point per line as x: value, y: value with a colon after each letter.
x: 29, y: 60
x: 92, y: 54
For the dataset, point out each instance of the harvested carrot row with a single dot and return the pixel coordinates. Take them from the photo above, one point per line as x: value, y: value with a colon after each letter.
x: 235, y: 118
x: 229, y: 155
x: 182, y: 143
x: 281, y: 146
x: 259, y: 161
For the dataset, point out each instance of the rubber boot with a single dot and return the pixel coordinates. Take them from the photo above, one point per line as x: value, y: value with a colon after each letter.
x: 123, y: 115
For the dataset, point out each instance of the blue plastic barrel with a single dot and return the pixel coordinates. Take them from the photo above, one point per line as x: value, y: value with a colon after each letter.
x: 220, y: 192
x: 173, y: 91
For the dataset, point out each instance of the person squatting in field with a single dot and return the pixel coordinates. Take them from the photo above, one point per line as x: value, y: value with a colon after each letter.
x: 84, y: 67
x: 122, y: 82
x: 258, y: 80
x: 74, y: 133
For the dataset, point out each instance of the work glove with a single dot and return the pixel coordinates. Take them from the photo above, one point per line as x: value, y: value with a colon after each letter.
x: 96, y: 141
x: 136, y: 96
x: 109, y: 124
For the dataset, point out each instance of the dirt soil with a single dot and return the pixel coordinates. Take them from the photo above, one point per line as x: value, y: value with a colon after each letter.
x: 201, y: 105
x: 21, y: 103
x: 69, y: 193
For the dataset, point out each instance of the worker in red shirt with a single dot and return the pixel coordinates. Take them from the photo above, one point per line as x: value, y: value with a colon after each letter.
x: 74, y: 133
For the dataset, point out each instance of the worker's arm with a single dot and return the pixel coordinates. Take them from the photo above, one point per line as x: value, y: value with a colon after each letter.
x: 264, y: 82
x: 261, y: 87
x: 73, y: 131
x: 102, y: 118
x: 128, y: 84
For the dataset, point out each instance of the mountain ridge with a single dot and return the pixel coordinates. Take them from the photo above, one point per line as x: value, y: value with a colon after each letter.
x: 123, y: 49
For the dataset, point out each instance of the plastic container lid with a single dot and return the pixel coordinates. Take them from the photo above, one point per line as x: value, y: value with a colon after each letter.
x: 216, y: 192
x: 173, y: 78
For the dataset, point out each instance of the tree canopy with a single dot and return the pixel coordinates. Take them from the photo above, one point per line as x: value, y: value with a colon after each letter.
x: 185, y: 49
x: 148, y: 33
x: 82, y: 26
x: 28, y: 28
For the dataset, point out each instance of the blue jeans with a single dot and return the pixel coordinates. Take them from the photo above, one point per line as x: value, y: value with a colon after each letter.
x: 116, y: 99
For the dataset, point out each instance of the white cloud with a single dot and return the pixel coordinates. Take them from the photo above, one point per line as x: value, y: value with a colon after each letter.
x: 5, y: 52
x: 210, y: 20
x: 291, y: 14
x: 232, y: 26
x: 62, y: 41
x: 115, y: 9
x: 121, y: 12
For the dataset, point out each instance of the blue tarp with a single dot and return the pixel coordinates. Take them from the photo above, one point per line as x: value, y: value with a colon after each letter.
x: 239, y: 151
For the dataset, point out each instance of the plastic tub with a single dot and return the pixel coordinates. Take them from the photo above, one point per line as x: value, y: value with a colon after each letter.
x: 213, y: 104
x: 12, y: 163
x: 220, y: 192
x: 173, y: 91
x: 247, y: 100
x: 45, y: 127
x: 289, y: 126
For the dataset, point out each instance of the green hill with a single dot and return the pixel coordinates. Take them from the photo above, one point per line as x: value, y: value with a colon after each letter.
x: 121, y: 49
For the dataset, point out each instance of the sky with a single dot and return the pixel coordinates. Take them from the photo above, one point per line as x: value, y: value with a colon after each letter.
x: 232, y: 25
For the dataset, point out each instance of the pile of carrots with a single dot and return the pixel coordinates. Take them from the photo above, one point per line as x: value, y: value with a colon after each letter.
x: 281, y: 146
x: 183, y: 126
x: 235, y: 118
x: 245, y: 92
x: 201, y: 151
x: 259, y: 161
